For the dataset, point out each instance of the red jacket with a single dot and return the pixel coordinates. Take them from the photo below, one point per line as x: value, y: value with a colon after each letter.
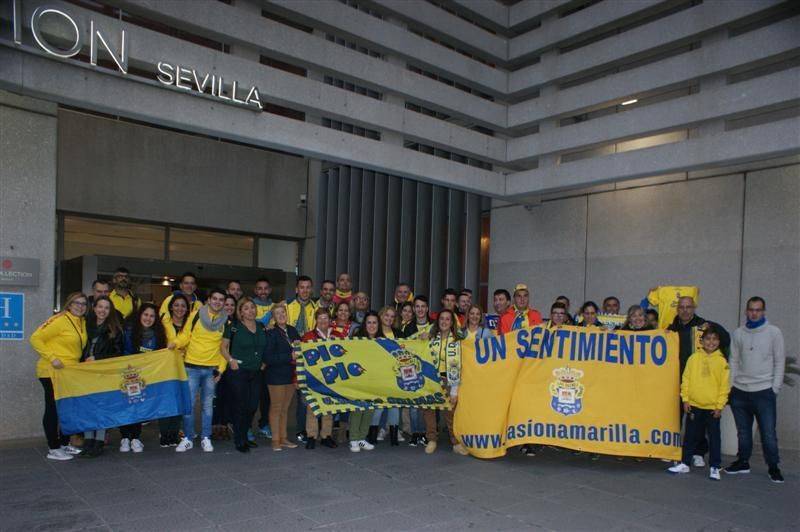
x: 314, y: 335
x: 507, y: 320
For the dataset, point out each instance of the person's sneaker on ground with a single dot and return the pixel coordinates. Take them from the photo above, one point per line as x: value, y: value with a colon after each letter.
x: 460, y: 449
x: 184, y: 445
x: 430, y: 447
x: 367, y: 446
x: 738, y: 468
x: 697, y: 461
x: 205, y: 443
x: 679, y: 468
x: 328, y: 442
x: 163, y: 441
x: 382, y: 434
x: 414, y: 440
x: 58, y: 454
x: 124, y: 445
x: 528, y: 450
x: 775, y: 475
x: 713, y: 473
x: 70, y: 449
x: 302, y: 437
x: 354, y: 447
x: 265, y: 432
x: 136, y: 445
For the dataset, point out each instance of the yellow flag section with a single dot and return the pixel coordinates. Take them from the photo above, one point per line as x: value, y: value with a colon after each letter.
x: 120, y: 391
x: 339, y: 376
x: 610, y: 392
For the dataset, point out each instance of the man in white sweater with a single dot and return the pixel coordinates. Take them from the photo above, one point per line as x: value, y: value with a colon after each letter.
x: 757, y: 362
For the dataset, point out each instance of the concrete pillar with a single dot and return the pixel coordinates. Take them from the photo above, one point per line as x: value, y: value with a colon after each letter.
x: 27, y: 229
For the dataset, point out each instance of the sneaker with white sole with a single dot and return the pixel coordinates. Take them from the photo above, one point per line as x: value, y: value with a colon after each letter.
x: 59, y: 454
x: 713, y: 473
x: 738, y: 468
x: 184, y: 445
x: 265, y: 432
x: 205, y: 443
x: 381, y: 434
x: 137, y: 446
x: 460, y: 449
x: 71, y: 449
x: 697, y: 461
x: 354, y: 448
x: 679, y: 468
x: 124, y: 445
x: 364, y: 444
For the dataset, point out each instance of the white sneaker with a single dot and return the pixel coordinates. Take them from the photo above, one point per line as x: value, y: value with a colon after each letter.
x: 58, y: 454
x: 185, y: 445
x: 354, y: 448
x: 137, y: 446
x: 697, y: 461
x: 367, y: 446
x: 713, y: 473
x: 205, y: 443
x: 400, y: 437
x: 71, y: 449
x: 124, y: 445
x: 679, y: 468
x: 381, y: 434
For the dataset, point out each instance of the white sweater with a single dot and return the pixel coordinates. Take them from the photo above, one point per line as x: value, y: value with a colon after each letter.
x: 757, y: 359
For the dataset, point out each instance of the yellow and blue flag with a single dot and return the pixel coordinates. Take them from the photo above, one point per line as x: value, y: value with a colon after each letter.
x: 120, y: 391
x: 339, y: 376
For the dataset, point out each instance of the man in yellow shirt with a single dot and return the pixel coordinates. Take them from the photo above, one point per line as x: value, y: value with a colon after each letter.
x: 301, y: 310
x: 201, y: 337
x: 125, y: 301
x: 261, y: 297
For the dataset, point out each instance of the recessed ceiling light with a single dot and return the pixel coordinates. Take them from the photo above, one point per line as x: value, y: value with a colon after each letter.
x: 630, y: 102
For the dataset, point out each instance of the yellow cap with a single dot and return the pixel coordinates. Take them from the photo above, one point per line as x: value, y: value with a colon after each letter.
x: 519, y: 287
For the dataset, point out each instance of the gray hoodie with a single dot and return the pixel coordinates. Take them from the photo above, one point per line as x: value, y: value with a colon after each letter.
x: 757, y: 359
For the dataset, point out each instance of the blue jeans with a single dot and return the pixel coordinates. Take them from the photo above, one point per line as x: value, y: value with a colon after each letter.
x: 698, y: 423
x: 300, y: 413
x: 763, y: 406
x: 200, y: 378
x: 417, y: 423
x: 392, y: 416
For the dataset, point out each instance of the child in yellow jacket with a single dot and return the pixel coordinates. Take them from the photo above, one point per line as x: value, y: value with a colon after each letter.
x: 704, y: 392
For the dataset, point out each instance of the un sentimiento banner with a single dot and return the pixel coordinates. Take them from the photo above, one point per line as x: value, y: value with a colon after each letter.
x: 337, y: 376
x: 610, y: 392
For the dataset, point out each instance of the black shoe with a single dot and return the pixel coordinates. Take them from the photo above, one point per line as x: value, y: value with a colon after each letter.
x: 97, y: 449
x: 393, y: 435
x: 311, y: 443
x: 775, y: 475
x: 163, y: 441
x: 88, y: 447
x: 329, y: 443
x: 528, y: 450
x: 252, y: 444
x: 243, y: 448
x: 422, y: 441
x: 738, y: 468
x: 414, y: 440
x: 372, y: 435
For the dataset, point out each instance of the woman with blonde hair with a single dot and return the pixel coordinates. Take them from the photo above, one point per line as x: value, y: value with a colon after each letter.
x: 60, y: 342
x: 475, y: 325
x: 280, y: 374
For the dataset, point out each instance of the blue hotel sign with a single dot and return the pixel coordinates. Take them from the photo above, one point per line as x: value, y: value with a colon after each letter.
x: 12, y: 319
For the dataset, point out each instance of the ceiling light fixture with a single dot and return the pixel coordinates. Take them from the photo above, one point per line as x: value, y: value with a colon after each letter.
x: 630, y: 102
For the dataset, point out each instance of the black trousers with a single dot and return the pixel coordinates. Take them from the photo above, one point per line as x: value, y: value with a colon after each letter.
x: 244, y: 386
x: 50, y: 419
x: 169, y: 426
x: 132, y: 432
x: 221, y: 415
x: 263, y: 400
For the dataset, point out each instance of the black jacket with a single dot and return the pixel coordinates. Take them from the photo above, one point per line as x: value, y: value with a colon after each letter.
x: 686, y: 334
x: 99, y: 343
x: 279, y: 355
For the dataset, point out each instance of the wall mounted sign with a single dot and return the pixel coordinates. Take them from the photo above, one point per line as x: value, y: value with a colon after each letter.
x: 17, y: 271
x: 169, y: 73
x: 12, y: 316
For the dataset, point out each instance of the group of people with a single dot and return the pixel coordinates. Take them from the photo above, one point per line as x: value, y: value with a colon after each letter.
x: 239, y: 355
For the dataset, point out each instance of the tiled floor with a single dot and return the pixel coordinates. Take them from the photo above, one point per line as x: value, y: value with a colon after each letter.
x: 386, y: 489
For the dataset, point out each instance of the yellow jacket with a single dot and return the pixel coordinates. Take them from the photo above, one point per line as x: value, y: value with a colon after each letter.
x: 706, y: 381
x: 293, y: 307
x: 63, y: 336
x: 202, y: 346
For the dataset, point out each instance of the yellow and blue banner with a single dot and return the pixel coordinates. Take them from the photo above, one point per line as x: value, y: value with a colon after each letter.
x: 338, y: 376
x: 122, y: 390
x: 610, y: 392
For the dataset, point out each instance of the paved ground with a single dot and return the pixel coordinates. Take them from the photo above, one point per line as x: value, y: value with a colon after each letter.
x: 387, y: 489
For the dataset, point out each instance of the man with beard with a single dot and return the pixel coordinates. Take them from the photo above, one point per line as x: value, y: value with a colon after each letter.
x: 125, y: 301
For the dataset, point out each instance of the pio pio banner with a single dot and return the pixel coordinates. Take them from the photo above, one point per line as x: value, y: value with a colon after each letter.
x: 610, y: 392
x: 337, y: 376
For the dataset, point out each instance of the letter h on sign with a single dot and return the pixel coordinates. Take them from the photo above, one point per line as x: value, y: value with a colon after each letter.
x: 12, y: 324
